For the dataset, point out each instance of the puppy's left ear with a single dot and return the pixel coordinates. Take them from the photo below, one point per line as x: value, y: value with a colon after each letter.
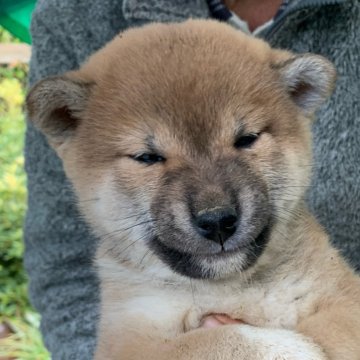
x: 55, y: 105
x: 309, y: 80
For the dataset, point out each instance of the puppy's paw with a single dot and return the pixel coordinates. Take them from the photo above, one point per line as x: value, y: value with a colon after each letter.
x: 278, y: 344
x: 193, y: 318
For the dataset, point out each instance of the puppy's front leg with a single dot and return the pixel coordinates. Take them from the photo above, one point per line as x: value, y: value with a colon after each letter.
x: 337, y: 330
x: 229, y: 342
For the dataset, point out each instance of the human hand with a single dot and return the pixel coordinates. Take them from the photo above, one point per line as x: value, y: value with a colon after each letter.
x: 215, y: 320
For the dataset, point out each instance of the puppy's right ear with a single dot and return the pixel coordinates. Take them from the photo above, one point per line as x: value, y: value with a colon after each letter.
x: 55, y: 105
x: 308, y: 79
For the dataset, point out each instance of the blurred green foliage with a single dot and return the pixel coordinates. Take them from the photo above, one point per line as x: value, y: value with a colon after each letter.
x: 12, y: 198
x: 6, y: 37
x: 15, y: 308
x: 26, y: 342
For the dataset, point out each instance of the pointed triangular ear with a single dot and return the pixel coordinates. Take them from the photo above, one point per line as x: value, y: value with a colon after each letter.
x: 54, y: 105
x: 309, y: 80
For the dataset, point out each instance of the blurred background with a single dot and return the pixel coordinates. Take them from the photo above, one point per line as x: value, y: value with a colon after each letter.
x: 19, y: 324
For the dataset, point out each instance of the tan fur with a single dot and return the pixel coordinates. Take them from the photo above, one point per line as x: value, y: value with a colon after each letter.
x: 300, y: 301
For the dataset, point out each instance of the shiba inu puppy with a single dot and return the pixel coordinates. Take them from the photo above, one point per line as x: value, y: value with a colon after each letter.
x: 188, y: 146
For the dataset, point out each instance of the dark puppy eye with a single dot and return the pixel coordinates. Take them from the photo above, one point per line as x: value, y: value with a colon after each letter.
x: 246, y: 141
x: 148, y: 159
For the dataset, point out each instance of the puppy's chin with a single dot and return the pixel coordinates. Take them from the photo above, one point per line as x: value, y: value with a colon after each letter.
x: 212, y: 266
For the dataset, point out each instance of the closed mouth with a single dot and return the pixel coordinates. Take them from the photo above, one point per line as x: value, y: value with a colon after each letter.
x: 190, y: 264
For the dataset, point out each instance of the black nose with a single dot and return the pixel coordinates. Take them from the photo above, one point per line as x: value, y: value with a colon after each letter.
x: 216, y: 224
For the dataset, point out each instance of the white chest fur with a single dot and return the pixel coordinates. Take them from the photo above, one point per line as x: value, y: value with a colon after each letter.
x: 178, y: 304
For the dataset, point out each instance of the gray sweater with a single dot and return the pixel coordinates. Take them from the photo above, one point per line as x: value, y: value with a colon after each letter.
x: 59, y: 246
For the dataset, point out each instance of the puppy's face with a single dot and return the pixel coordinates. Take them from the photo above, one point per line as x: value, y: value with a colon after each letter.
x: 187, y: 142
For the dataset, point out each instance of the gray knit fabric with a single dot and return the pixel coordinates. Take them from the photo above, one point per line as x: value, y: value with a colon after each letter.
x: 59, y: 247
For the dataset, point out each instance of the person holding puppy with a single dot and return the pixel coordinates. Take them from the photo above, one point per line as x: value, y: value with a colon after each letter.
x: 59, y: 247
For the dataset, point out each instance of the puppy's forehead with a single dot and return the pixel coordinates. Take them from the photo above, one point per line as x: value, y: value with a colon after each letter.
x: 189, y: 77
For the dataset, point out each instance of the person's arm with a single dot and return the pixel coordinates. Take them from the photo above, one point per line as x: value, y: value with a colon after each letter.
x: 59, y: 248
